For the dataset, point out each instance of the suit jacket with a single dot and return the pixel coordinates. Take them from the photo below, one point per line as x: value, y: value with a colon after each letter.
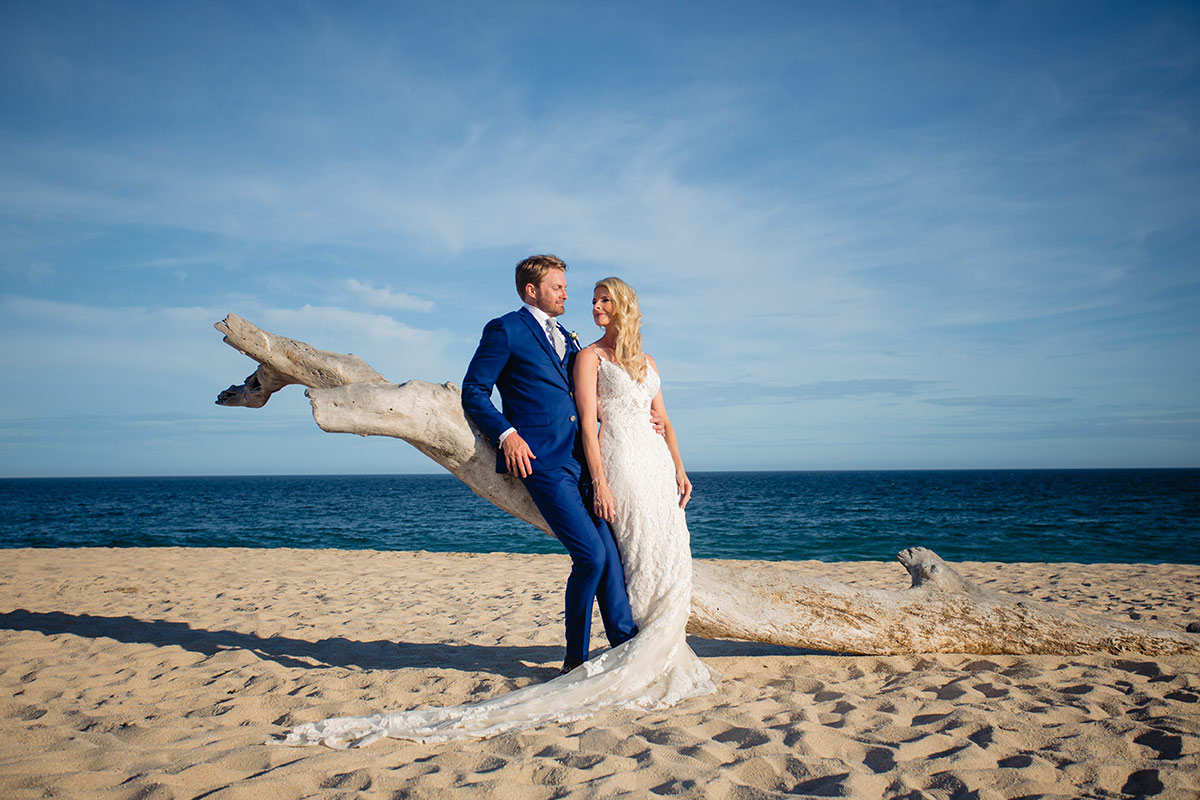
x: 536, y: 390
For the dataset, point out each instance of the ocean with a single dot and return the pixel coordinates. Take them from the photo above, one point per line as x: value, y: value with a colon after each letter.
x: 1088, y: 516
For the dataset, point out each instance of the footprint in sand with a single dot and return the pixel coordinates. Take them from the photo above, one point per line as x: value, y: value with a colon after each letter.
x: 1165, y: 745
x: 1143, y: 783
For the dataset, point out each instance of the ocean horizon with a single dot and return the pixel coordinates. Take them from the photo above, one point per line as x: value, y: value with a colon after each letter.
x: 1135, y: 515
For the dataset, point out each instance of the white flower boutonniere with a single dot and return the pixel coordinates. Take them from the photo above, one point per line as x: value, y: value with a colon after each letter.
x: 574, y: 337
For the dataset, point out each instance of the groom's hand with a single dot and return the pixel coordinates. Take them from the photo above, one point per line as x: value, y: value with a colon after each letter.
x: 660, y: 425
x: 517, y: 455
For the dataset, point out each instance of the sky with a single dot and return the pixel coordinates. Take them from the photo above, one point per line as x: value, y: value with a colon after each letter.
x: 893, y: 235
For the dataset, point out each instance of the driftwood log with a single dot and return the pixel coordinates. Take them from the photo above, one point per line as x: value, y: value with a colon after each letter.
x: 941, y: 612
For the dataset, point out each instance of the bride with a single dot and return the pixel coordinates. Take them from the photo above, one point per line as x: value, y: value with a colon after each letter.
x: 641, y: 489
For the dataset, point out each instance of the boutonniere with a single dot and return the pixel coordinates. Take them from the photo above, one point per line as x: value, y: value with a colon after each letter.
x: 574, y: 337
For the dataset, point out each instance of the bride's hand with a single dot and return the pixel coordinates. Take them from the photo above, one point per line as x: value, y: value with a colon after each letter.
x: 602, y: 499
x: 685, y: 488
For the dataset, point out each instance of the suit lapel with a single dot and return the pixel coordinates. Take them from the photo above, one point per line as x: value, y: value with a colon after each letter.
x: 540, y: 335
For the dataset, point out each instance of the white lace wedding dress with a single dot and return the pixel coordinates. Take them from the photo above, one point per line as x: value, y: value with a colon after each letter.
x: 655, y: 669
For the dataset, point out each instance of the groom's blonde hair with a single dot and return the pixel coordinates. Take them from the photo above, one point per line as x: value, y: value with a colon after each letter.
x: 534, y: 269
x: 627, y: 318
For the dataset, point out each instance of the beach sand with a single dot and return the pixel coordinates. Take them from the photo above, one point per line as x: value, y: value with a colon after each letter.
x: 160, y: 673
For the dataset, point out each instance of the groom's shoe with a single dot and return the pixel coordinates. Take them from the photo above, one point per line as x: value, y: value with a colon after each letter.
x: 569, y: 664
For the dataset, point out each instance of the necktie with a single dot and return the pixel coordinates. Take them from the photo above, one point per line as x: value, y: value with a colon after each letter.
x: 556, y: 338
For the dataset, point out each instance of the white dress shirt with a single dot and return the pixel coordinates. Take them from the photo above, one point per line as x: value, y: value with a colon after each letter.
x: 542, y: 318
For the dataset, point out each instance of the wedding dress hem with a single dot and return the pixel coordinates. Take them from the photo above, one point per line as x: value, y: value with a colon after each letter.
x: 654, y: 669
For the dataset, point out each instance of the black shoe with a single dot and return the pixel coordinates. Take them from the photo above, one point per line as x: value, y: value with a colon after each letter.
x: 569, y: 664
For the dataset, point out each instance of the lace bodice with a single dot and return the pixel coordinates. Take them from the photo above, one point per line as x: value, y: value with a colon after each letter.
x: 623, y: 400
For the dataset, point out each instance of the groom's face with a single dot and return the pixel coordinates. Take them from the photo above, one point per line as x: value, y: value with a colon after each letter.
x: 551, y: 294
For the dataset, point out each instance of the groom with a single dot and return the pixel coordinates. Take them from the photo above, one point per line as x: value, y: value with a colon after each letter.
x: 528, y: 356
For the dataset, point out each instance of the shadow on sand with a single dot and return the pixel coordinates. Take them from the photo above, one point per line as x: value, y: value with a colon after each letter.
x: 511, y: 661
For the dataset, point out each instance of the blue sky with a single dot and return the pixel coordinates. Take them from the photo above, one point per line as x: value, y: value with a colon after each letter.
x: 865, y: 235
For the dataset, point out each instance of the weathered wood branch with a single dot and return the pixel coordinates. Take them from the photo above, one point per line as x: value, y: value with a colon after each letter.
x: 941, y: 612
x: 283, y: 362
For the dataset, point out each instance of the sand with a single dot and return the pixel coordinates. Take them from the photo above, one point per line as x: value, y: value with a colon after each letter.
x: 160, y: 673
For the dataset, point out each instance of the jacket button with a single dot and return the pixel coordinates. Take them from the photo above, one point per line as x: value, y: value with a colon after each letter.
x: 572, y: 418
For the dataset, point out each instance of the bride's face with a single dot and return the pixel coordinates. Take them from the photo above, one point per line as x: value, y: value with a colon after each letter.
x: 602, y: 306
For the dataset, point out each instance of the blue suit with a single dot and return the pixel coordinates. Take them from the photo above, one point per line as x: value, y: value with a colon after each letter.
x: 536, y: 390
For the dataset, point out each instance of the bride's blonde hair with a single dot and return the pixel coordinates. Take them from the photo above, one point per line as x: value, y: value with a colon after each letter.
x: 627, y: 319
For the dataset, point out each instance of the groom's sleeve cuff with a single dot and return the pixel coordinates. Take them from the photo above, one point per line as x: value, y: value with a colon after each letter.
x: 504, y: 435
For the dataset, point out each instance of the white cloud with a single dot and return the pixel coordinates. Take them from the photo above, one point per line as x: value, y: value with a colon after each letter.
x: 999, y: 401
x: 787, y: 237
x: 385, y: 298
x: 133, y: 360
x: 331, y: 324
x: 35, y: 272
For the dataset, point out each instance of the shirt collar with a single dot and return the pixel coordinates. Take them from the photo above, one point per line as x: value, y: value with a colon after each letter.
x: 539, y: 315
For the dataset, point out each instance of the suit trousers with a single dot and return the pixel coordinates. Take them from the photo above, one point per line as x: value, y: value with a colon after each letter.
x: 596, y: 571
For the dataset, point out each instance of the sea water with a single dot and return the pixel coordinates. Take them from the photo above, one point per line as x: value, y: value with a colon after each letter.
x: 1114, y: 515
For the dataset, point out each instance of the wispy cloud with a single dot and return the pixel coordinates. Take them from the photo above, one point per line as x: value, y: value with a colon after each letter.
x: 135, y: 361
x: 999, y: 401
x: 384, y: 297
x: 718, y: 394
x: 1003, y: 226
x: 35, y: 272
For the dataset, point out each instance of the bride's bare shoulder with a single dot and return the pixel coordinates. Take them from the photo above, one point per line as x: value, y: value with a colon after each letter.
x: 588, y: 357
x: 597, y: 350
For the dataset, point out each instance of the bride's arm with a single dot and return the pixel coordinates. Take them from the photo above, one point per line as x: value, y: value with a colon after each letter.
x: 658, y: 407
x: 587, y: 364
